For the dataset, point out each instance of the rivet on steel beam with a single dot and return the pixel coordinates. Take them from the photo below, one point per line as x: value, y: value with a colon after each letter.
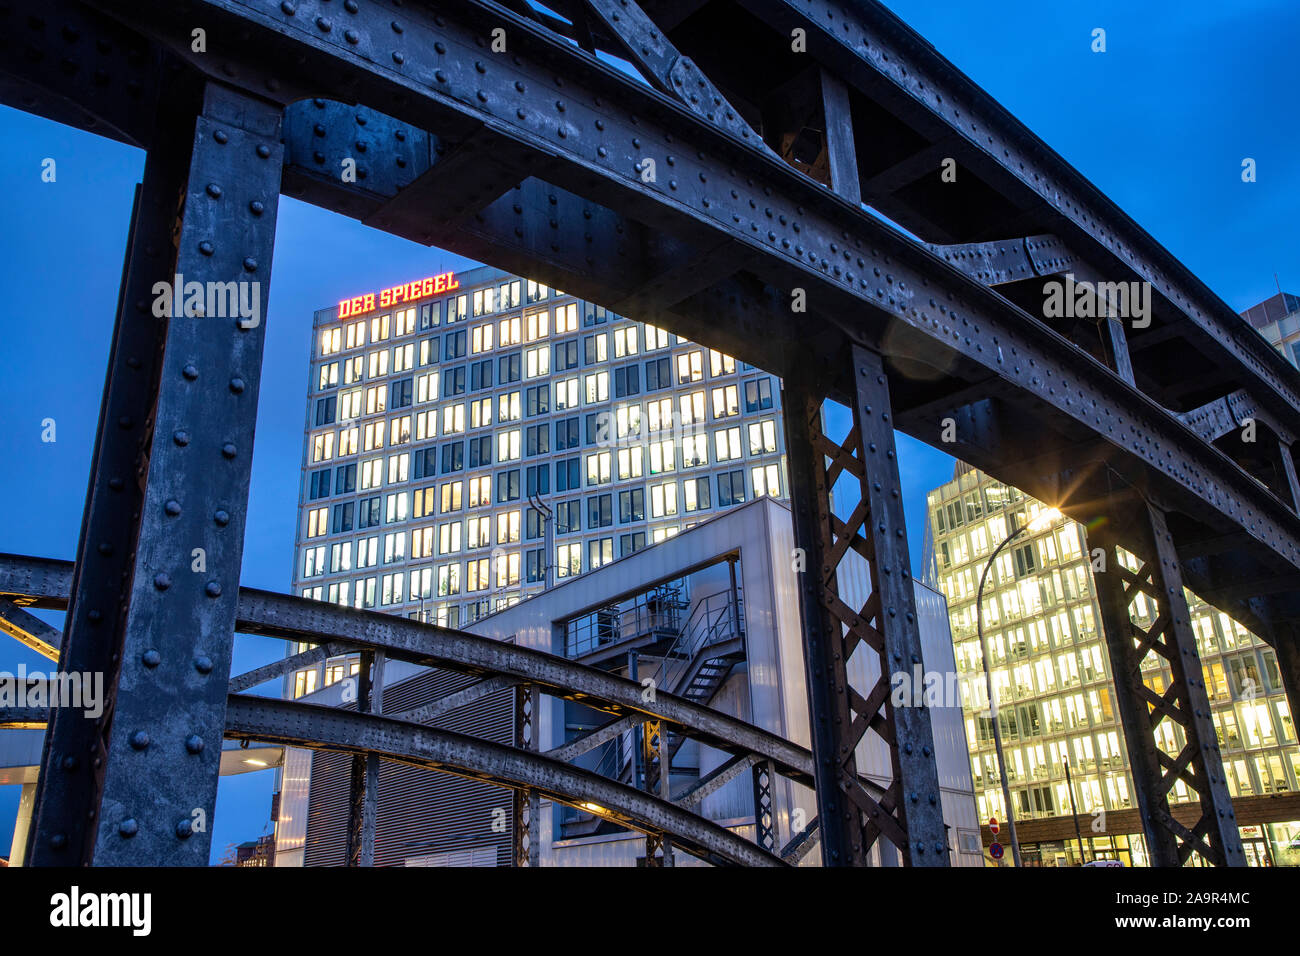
x: 237, y: 385
x: 263, y: 150
x: 105, y: 548
x: 184, y: 829
x: 324, y: 24
x: 398, y: 58
x: 172, y: 507
x: 181, y: 438
x: 214, y: 190
x: 256, y: 208
x: 128, y: 828
x: 190, y: 371
x: 207, y: 248
x: 162, y: 581
x: 139, y: 740
x: 151, y: 658
x: 203, y: 664
x: 221, y: 518
x: 220, y: 136
x: 194, y: 744
x: 250, y: 264
x: 213, y: 589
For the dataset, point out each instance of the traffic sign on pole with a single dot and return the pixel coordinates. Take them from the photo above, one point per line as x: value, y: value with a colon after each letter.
x: 993, y: 825
x: 995, y: 850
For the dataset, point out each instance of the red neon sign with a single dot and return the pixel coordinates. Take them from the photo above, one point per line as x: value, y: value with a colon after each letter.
x: 408, y: 292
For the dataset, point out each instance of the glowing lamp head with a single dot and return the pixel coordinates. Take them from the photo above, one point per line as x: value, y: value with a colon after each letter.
x: 1044, y: 519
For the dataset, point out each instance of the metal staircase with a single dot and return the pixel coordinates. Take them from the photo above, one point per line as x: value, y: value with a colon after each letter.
x: 694, y: 666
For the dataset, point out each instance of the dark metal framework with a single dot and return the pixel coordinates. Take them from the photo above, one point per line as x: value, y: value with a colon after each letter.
x: 708, y: 188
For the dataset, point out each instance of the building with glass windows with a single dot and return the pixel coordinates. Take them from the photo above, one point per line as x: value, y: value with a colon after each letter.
x: 439, y: 412
x: 1277, y: 318
x: 1052, y: 680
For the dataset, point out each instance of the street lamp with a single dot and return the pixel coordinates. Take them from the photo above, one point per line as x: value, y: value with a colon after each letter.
x: 1043, y: 519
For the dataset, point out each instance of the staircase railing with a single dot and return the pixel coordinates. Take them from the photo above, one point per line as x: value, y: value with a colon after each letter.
x: 711, y: 622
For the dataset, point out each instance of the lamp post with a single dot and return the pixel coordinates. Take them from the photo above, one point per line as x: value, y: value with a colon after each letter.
x: 1043, y: 520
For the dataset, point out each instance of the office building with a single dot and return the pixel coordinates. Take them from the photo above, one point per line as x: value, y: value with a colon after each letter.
x: 1277, y: 318
x: 1053, y: 683
x: 439, y: 409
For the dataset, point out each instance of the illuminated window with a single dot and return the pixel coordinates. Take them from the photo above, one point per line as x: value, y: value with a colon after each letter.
x: 566, y: 393
x: 509, y: 332
x: 726, y: 444
x: 451, y: 494
x: 663, y: 499
x: 322, y: 447
x: 399, y: 430
x: 508, y: 527
x: 331, y: 341
x: 376, y: 399
x: 692, y: 407
x: 508, y: 445
x: 663, y: 457
x: 598, y: 468
x: 317, y: 522
x: 766, y: 480
x: 477, y: 575
x: 656, y: 338
x: 481, y: 338
x: 348, y: 439
x: 566, y: 318
x: 403, y: 357
x: 629, y: 462
x: 726, y: 401
x: 449, y: 538
x: 405, y: 322
x: 762, y: 437
x: 329, y: 376
x: 453, y: 419
x: 720, y: 363
x: 690, y: 366
x: 625, y: 341
x: 536, y: 325
x: 568, y: 560
x: 509, y: 408
x: 597, y: 387
x: 356, y: 334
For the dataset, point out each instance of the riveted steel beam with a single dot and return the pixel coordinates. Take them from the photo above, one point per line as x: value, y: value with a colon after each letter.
x: 299, y: 619
x: 66, y: 62
x: 75, y: 755
x: 28, y: 629
x: 876, y: 53
x: 326, y: 728
x: 164, y: 744
x: 577, y: 116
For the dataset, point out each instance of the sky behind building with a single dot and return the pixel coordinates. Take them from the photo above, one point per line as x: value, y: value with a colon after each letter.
x: 1160, y: 122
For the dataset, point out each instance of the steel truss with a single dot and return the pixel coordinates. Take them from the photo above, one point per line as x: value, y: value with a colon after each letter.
x: 910, y: 813
x: 1148, y: 630
x: 683, y: 205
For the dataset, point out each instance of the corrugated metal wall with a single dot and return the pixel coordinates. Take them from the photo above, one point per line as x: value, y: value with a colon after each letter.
x: 422, y: 813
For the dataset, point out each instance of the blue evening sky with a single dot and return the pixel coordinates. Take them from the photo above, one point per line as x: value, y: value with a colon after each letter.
x: 1160, y: 122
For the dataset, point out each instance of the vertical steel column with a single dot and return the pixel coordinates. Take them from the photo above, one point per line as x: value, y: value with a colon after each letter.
x: 358, y: 777
x: 370, y: 807
x: 526, y: 804
x: 840, y: 148
x: 71, y: 780
x: 1289, y: 473
x: 165, y: 741
x: 910, y: 814
x: 764, y: 812
x: 1185, y: 702
x: 1119, y: 348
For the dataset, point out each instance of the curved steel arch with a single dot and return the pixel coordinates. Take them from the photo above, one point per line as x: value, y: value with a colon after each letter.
x: 327, y: 728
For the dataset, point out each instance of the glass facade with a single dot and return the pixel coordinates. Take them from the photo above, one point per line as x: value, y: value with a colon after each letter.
x: 432, y: 424
x: 1052, y: 681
